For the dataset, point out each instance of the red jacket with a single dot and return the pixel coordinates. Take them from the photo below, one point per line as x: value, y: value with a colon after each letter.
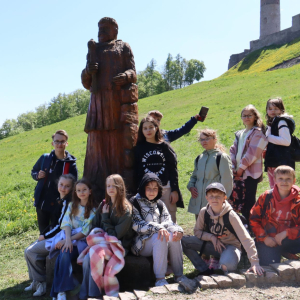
x: 262, y: 222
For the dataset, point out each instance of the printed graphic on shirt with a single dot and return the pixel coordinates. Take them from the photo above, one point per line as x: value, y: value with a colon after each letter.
x: 154, y: 162
x: 217, y: 229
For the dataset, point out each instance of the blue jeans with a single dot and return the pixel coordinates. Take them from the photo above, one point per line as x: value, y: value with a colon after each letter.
x: 271, y: 255
x: 63, y: 278
x: 191, y: 245
x: 88, y: 287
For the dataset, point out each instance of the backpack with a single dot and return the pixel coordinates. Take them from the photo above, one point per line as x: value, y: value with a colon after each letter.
x: 136, y: 205
x: 218, y: 159
x: 295, y: 142
x: 295, y: 148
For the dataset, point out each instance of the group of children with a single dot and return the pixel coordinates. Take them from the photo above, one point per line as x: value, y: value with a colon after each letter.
x: 146, y: 224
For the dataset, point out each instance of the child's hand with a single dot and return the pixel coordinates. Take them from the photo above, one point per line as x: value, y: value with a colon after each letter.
x: 174, y: 197
x: 67, y: 246
x: 177, y: 236
x: 41, y: 237
x: 60, y: 244
x: 256, y: 269
x: 194, y: 192
x: 41, y: 174
x: 163, y: 233
x: 270, y: 242
x: 239, y: 172
x: 218, y: 245
x: 279, y: 237
x: 105, y: 208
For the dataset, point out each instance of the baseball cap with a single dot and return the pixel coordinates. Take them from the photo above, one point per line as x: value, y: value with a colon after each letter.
x: 217, y: 186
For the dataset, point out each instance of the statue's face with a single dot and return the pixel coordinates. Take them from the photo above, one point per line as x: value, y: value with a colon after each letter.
x: 107, y: 33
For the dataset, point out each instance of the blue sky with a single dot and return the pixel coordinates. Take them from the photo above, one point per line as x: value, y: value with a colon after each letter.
x: 44, y: 43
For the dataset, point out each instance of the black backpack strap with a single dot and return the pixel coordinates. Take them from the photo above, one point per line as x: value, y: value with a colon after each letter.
x: 160, y: 206
x: 218, y: 159
x: 197, y: 159
x: 283, y: 126
x: 266, y: 203
x: 137, y: 206
x: 228, y: 225
x: 206, y: 221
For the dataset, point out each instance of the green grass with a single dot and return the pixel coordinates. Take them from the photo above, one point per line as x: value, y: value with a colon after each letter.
x: 225, y: 96
x: 266, y: 58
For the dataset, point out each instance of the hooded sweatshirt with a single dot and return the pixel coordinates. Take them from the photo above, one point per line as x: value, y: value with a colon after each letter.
x: 218, y: 229
x: 151, y: 220
x: 277, y: 215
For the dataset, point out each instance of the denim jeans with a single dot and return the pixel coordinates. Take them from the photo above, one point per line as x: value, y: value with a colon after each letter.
x: 88, y: 287
x: 63, y: 278
x: 191, y: 245
x: 270, y: 255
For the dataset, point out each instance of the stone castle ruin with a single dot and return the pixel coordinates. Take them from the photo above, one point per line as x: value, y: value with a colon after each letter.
x: 270, y: 33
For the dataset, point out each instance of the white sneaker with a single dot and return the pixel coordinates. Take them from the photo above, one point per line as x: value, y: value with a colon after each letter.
x: 62, y: 296
x: 189, y: 285
x: 32, y: 286
x: 40, y: 289
x: 161, y: 282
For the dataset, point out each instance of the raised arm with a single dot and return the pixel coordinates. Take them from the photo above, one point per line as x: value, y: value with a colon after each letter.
x: 179, y: 132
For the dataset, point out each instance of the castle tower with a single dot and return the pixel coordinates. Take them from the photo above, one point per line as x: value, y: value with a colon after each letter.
x: 269, y: 17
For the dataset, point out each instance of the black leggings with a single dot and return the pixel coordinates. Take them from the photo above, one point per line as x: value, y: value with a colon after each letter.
x: 250, y: 196
x: 44, y: 218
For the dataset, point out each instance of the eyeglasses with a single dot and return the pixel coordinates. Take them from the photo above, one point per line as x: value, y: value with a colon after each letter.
x: 59, y: 142
x: 206, y: 140
x: 247, y: 116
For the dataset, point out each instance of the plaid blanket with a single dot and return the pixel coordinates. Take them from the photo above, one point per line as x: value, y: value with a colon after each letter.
x: 107, y: 259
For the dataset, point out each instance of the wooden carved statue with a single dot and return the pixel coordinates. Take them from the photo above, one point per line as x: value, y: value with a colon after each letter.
x: 112, y: 117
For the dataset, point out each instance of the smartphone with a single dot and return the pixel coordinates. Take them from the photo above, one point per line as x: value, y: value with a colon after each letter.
x: 203, y: 112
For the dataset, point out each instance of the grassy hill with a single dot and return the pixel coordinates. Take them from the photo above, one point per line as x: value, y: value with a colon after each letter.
x: 247, y: 82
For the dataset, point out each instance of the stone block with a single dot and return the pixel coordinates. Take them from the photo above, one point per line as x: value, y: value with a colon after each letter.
x: 140, y: 294
x: 237, y: 279
x: 270, y: 275
x: 285, y: 271
x: 251, y: 278
x: 127, y: 296
x: 175, y: 287
x: 159, y: 290
x: 296, y: 265
x: 206, y: 282
x: 105, y: 297
x: 137, y: 274
x: 222, y: 281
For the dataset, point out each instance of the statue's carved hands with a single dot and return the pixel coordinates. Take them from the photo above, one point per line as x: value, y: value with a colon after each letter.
x: 92, y: 68
x: 120, y: 79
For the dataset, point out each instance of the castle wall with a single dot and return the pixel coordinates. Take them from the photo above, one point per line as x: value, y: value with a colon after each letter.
x: 278, y: 38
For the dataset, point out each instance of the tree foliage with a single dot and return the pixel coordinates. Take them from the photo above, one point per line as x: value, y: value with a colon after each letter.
x: 176, y: 74
x: 59, y: 108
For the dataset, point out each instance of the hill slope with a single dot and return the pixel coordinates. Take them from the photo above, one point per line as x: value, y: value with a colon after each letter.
x: 225, y: 96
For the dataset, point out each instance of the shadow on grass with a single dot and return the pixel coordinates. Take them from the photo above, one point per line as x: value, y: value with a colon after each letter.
x: 16, y: 292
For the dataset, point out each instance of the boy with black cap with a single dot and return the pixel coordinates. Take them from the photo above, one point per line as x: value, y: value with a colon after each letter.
x: 219, y: 232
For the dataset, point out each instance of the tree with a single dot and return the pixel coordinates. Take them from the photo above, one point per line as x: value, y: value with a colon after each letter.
x: 168, y: 72
x: 194, y: 71
x: 42, y: 118
x: 27, y: 121
x: 9, y: 128
x: 150, y: 81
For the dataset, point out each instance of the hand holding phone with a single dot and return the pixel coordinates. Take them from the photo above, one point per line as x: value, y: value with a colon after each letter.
x: 202, y: 113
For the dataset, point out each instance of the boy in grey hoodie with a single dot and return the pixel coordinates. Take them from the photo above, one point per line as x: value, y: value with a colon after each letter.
x: 216, y: 239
